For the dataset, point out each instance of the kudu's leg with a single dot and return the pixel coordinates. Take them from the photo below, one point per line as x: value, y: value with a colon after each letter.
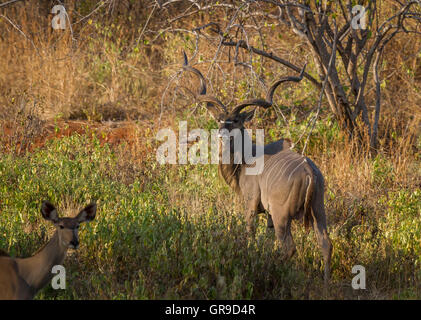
x: 251, y: 214
x: 322, y: 236
x: 252, y: 205
x: 282, y: 224
x: 269, y: 222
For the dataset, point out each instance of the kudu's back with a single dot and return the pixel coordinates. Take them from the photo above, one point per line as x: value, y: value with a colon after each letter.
x: 287, y: 181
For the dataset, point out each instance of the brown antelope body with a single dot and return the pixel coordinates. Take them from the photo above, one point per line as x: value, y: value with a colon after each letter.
x: 22, y: 278
x: 290, y: 185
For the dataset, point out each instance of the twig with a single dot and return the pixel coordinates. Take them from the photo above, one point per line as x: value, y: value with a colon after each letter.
x: 8, y: 2
x: 242, y: 44
x: 146, y: 24
x: 319, y: 105
x: 21, y: 32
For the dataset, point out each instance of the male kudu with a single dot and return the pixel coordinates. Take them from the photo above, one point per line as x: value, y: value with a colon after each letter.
x: 290, y: 185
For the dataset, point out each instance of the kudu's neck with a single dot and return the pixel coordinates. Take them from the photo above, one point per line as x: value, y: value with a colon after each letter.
x: 231, y: 171
x: 36, y: 270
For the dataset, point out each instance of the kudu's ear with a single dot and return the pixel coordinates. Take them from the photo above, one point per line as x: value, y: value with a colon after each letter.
x: 49, y: 212
x: 247, y: 116
x: 87, y: 214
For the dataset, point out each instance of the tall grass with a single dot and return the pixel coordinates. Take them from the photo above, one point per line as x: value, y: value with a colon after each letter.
x: 182, y: 234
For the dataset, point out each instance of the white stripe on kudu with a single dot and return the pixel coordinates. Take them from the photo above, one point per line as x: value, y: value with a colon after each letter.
x: 289, y: 177
x: 275, y: 165
x: 289, y: 164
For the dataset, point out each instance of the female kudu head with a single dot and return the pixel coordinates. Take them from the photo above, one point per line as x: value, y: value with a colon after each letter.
x: 68, y: 228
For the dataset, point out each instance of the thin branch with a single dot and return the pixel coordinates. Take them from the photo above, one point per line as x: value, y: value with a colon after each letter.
x: 8, y: 2
x: 271, y: 56
x: 319, y: 105
x: 22, y: 33
x: 373, y: 138
x: 146, y: 24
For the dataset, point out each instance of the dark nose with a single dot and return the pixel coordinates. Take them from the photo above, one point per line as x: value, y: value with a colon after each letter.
x: 74, y: 243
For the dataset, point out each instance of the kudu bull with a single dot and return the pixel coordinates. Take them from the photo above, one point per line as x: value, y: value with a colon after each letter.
x: 21, y: 279
x: 290, y: 185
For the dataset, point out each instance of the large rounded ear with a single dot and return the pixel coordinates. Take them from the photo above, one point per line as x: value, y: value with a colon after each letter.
x: 49, y: 212
x: 247, y: 116
x: 87, y: 214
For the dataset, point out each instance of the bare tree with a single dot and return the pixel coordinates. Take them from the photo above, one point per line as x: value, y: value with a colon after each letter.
x: 352, y: 33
